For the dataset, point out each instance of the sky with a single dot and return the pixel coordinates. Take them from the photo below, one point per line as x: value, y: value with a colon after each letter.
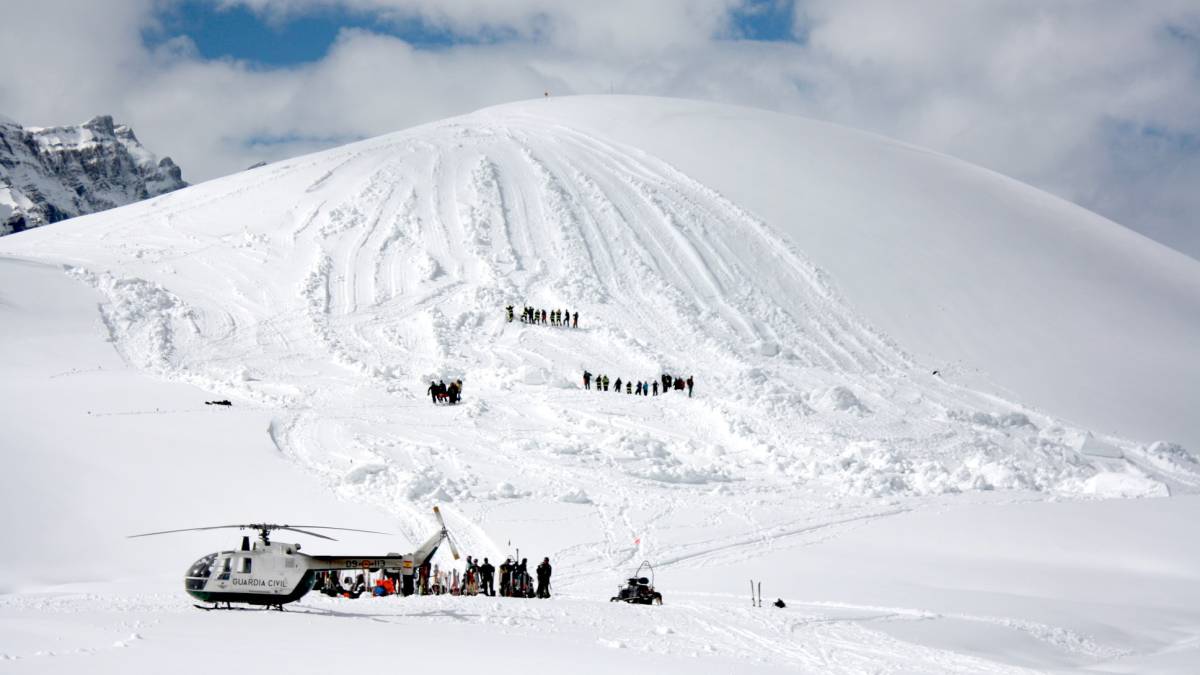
x: 1097, y: 101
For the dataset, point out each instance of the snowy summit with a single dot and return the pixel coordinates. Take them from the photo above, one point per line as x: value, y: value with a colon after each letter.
x: 943, y: 415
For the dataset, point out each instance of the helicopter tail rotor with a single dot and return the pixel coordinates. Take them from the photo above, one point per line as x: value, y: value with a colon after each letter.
x: 445, y: 532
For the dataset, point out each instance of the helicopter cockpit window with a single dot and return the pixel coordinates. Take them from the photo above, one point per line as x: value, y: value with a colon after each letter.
x: 203, y: 568
x: 245, y: 566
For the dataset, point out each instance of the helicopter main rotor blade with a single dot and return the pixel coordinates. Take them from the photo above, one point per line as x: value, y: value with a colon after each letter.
x: 311, y: 534
x: 262, y: 527
x: 327, y: 527
x: 190, y: 529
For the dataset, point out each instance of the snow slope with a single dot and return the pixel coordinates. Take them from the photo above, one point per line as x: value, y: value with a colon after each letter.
x: 810, y: 277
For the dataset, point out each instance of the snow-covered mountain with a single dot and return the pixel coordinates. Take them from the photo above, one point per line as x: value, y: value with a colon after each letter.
x: 48, y: 174
x: 914, y: 381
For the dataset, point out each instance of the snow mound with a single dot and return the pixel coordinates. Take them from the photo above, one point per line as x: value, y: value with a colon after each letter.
x: 328, y: 290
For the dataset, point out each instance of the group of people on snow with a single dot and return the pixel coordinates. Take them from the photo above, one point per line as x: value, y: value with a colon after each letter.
x: 555, y: 317
x: 441, y: 392
x: 477, y: 578
x: 640, y: 388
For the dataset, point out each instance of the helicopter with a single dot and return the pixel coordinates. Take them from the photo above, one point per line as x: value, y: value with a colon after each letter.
x: 273, y: 574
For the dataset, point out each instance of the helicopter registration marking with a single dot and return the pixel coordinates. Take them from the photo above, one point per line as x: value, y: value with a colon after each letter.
x: 350, y: 564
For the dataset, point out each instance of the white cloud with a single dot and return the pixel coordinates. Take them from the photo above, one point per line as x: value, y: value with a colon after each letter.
x: 1061, y: 95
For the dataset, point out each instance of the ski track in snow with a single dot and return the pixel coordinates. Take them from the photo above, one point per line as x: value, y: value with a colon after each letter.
x: 335, y: 322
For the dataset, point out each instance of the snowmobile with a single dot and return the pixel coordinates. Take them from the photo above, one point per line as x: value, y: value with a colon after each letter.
x: 639, y: 590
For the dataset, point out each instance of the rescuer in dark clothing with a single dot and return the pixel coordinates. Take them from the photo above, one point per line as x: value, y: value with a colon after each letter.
x: 575, y: 320
x: 654, y: 388
x: 587, y: 380
x: 506, y: 578
x: 666, y: 380
x: 690, y: 384
x: 509, y: 309
x: 543, y: 577
x: 433, y: 392
x: 605, y: 378
x: 487, y: 578
x: 521, y: 579
x: 618, y: 383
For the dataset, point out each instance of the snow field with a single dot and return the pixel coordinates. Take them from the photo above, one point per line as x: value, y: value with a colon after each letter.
x: 323, y: 293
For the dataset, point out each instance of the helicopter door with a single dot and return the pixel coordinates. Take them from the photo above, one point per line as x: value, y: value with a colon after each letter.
x: 226, y: 568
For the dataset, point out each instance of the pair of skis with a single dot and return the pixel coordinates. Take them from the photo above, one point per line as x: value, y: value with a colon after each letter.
x: 752, y: 600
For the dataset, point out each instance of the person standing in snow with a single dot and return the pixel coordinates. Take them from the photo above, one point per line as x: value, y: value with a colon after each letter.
x: 628, y: 387
x: 521, y: 578
x: 587, y: 380
x: 605, y: 383
x: 618, y: 383
x: 473, y: 577
x: 666, y: 383
x: 487, y: 577
x: 506, y: 578
x: 543, y: 316
x: 689, y: 386
x: 543, y: 578
x: 575, y: 320
x: 509, y: 310
x: 639, y: 389
x: 654, y: 387
x: 432, y: 391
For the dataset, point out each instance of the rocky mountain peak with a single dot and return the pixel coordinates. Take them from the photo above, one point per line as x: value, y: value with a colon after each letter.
x: 49, y: 174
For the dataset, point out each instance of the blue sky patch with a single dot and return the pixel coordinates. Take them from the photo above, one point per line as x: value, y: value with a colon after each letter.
x: 765, y: 20
x: 239, y: 33
x: 236, y: 32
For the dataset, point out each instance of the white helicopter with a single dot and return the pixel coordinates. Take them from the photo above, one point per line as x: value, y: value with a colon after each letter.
x: 273, y: 574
